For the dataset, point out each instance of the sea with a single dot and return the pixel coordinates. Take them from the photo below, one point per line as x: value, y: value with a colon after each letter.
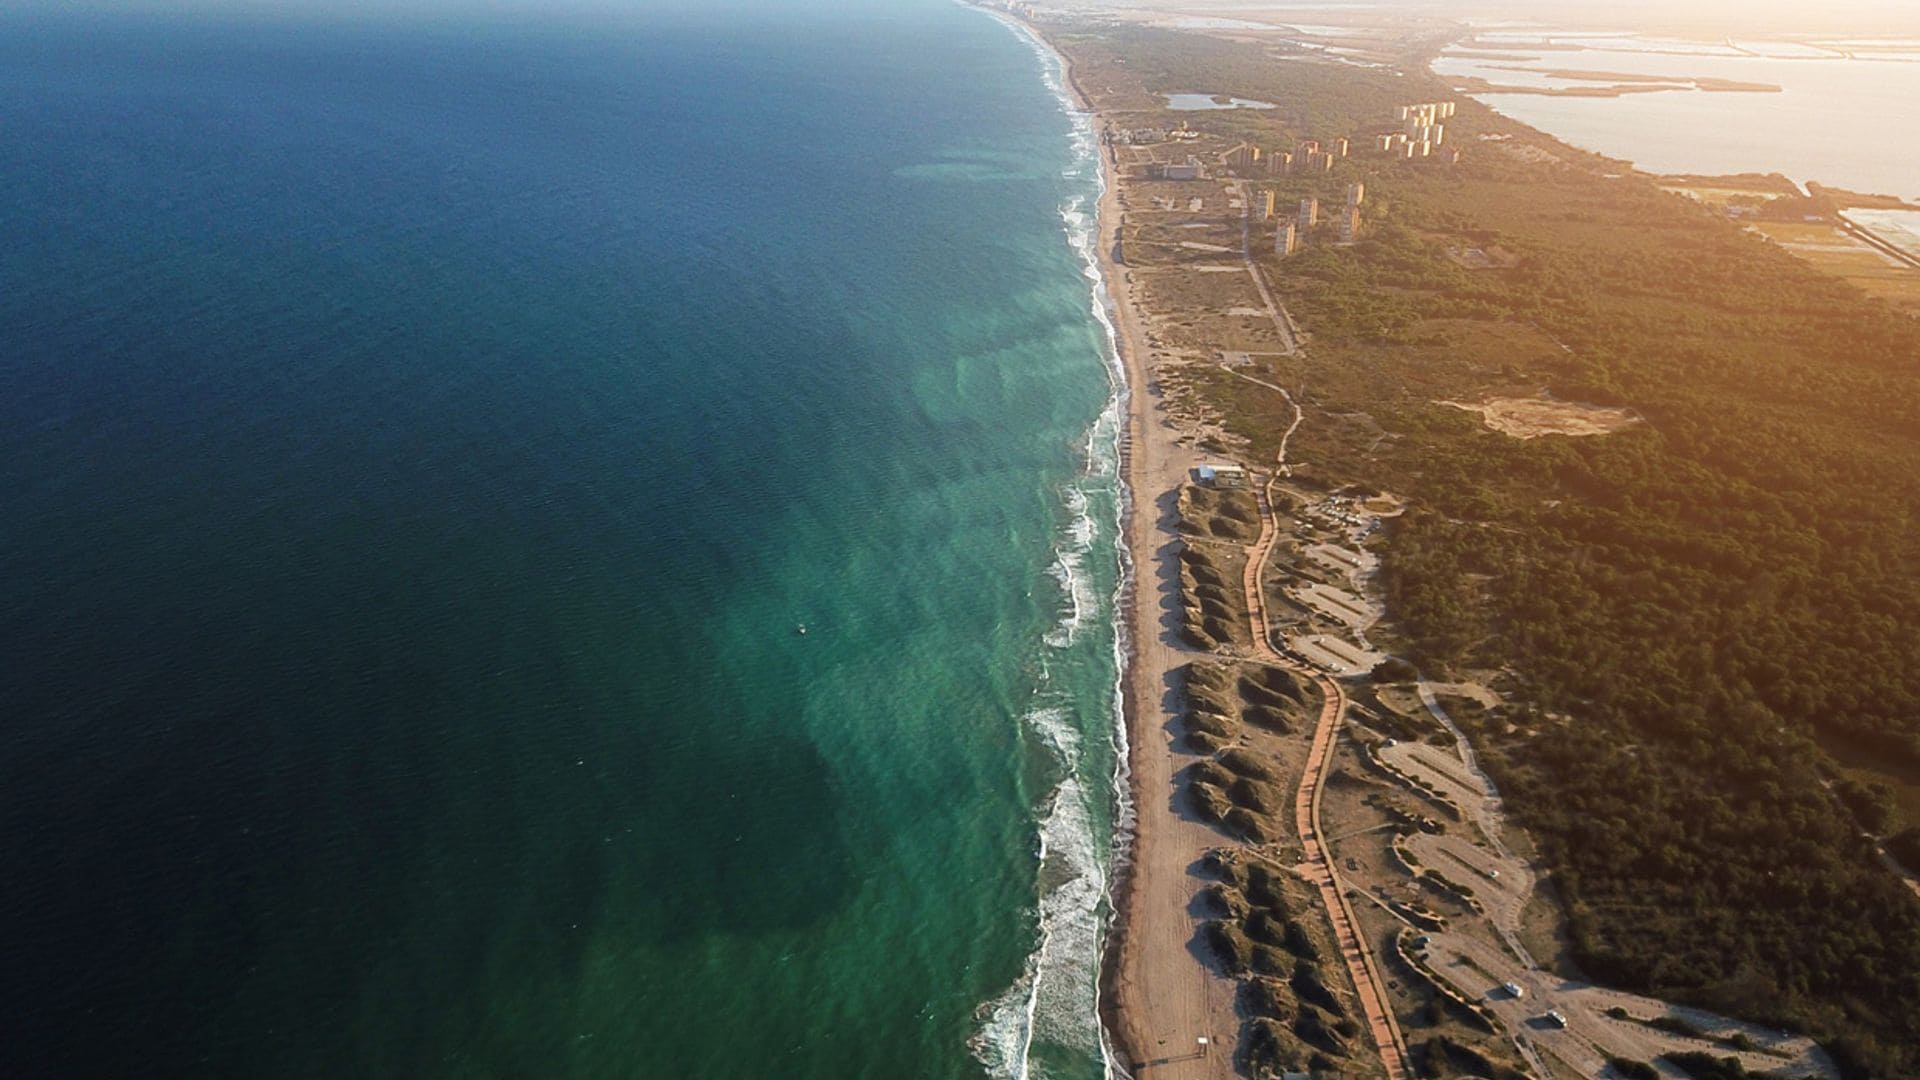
x: 566, y: 540
x: 1840, y: 117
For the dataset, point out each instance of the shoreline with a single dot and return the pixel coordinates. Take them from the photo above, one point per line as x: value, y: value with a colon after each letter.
x: 1121, y: 1044
x: 1150, y: 980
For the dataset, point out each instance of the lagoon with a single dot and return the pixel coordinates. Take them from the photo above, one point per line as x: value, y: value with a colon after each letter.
x: 1837, y: 120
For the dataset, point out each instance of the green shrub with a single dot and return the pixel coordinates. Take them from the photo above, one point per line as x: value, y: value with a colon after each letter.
x: 1270, y: 719
x: 1269, y: 998
x: 1231, y: 946
x: 1245, y: 823
x: 1314, y: 1029
x: 1307, y: 984
x: 1210, y: 802
x: 1249, y: 764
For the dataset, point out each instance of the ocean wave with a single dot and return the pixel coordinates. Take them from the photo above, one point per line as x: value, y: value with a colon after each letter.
x: 1069, y: 568
x: 1056, y: 1000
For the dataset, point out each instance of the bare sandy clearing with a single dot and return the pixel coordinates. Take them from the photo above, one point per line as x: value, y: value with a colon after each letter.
x: 1530, y: 418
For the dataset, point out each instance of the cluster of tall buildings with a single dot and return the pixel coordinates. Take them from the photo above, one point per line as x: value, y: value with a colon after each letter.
x: 1422, y: 134
x: 1306, y: 158
x: 1292, y: 234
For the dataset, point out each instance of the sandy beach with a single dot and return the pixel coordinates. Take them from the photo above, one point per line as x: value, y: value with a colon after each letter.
x: 1163, y: 994
x: 1167, y: 1007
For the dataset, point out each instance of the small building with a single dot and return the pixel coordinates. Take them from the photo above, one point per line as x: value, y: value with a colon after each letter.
x: 1189, y: 171
x: 1356, y: 193
x: 1309, y: 213
x: 1222, y: 476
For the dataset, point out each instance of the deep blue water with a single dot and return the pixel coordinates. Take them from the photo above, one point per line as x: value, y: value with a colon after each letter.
x: 419, y: 442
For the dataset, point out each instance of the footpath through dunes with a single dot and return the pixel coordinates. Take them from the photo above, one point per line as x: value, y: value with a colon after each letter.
x: 1318, y: 868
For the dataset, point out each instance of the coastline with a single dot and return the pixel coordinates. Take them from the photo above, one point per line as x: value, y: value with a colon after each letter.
x: 1121, y: 1044
x: 1157, y: 996
x: 1161, y: 997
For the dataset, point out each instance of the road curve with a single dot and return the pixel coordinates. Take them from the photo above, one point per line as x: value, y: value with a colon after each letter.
x: 1318, y: 868
x: 1365, y: 971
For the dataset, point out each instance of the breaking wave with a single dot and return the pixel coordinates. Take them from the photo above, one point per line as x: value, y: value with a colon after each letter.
x: 1055, y: 1003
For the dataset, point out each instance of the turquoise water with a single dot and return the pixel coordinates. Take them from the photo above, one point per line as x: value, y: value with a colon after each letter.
x: 422, y: 440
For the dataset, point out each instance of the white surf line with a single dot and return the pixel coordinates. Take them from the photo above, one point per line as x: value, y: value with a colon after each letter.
x: 1038, y: 969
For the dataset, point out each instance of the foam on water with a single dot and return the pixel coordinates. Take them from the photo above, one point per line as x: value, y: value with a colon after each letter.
x: 1056, y: 1001
x: 1069, y: 569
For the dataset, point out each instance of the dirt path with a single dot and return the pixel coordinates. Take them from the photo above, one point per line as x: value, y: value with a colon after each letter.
x: 1282, y: 322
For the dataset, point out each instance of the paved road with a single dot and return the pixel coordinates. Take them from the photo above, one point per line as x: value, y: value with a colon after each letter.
x: 1478, y: 969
